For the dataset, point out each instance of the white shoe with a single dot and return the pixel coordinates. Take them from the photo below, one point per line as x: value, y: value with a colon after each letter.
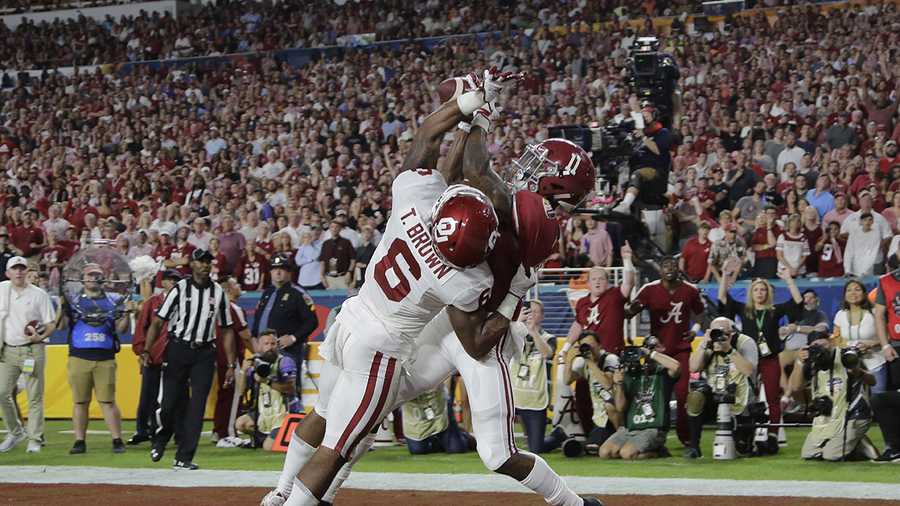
x: 11, y: 441
x: 273, y: 498
x: 33, y: 447
x: 229, y: 442
x: 214, y: 438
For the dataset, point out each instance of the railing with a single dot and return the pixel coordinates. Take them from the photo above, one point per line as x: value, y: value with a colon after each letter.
x: 560, y: 289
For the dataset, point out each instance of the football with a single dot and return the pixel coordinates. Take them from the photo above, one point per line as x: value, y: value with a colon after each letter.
x: 453, y: 87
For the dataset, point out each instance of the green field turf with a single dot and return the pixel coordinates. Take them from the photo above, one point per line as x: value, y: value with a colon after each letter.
x: 787, y: 465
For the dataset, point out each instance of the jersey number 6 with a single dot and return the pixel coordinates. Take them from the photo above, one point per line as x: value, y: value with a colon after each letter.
x: 389, y: 262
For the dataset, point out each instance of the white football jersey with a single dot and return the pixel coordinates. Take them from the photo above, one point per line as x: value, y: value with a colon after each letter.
x: 407, y: 284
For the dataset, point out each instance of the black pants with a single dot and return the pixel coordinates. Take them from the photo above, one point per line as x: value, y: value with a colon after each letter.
x: 184, y: 364
x: 886, y: 406
x: 149, y: 402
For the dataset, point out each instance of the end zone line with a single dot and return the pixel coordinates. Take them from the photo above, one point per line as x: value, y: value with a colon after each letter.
x: 165, y: 477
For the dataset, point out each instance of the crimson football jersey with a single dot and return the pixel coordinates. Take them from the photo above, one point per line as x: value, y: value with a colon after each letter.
x: 670, y: 312
x: 605, y: 317
x: 504, y: 261
x: 252, y: 273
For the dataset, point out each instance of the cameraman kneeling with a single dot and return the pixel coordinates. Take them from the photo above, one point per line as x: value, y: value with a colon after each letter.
x: 588, y: 360
x: 840, y: 398
x: 270, y: 377
x: 728, y: 359
x: 642, y: 391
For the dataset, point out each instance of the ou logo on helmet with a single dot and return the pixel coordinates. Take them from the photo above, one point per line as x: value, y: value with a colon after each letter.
x: 445, y: 228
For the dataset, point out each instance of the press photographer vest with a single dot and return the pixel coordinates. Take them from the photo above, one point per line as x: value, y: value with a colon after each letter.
x: 647, y: 399
x: 426, y: 415
x: 530, y: 380
x: 599, y: 397
x: 890, y: 286
x: 271, y: 404
x: 721, y: 371
x: 85, y: 336
x: 834, y: 384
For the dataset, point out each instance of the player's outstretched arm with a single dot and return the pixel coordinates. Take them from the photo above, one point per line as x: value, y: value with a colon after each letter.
x: 477, y: 171
x: 477, y: 334
x: 451, y: 169
x: 427, y: 141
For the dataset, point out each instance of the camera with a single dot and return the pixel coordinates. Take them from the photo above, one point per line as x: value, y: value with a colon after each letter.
x: 820, y: 357
x: 728, y: 396
x: 822, y: 406
x: 717, y: 336
x: 850, y: 357
x: 652, y: 75
x: 261, y: 366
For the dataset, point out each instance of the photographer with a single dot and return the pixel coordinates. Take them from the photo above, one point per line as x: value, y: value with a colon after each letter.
x: 642, y: 391
x: 270, y: 379
x: 840, y: 398
x: 728, y: 359
x: 530, y: 383
x: 650, y: 163
x: 589, y: 361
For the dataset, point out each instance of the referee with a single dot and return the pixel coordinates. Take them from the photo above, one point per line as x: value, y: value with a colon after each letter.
x: 287, y: 309
x: 193, y: 308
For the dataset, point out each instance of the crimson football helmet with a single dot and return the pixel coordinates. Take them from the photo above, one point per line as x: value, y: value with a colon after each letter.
x: 536, y: 227
x: 557, y: 169
x: 463, y: 226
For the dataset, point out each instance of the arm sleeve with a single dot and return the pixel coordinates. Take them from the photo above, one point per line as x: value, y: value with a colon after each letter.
x: 170, y: 304
x: 307, y: 321
x: 140, y: 327
x: 48, y: 315
x: 224, y: 311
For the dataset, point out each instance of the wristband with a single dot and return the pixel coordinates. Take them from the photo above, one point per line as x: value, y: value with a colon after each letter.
x: 886, y: 346
x: 464, y: 126
x: 508, y: 306
x: 470, y: 102
x: 566, y: 346
x: 481, y: 121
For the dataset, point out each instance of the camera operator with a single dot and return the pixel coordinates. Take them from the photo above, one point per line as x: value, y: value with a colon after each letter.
x: 728, y: 359
x: 530, y: 383
x: 840, y: 390
x: 642, y: 391
x: 589, y: 361
x: 650, y: 163
x: 270, y: 379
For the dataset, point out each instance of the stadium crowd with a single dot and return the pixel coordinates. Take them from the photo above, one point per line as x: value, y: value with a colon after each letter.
x: 786, y: 161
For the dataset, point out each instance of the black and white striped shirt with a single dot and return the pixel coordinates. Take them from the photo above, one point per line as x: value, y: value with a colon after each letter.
x: 193, y: 312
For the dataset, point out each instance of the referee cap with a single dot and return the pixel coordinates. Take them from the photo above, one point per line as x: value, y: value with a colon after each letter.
x: 201, y: 255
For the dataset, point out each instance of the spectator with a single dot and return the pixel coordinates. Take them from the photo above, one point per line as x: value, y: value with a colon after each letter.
x: 642, y: 393
x: 840, y: 211
x: 229, y: 395
x: 819, y: 197
x: 808, y: 319
x: 231, y: 245
x: 730, y: 246
x: 792, y: 153
x: 252, y: 269
x: 307, y: 259
x: 695, y: 255
x: 364, y: 253
x: 830, y: 252
x: 199, y: 238
x: 863, y: 250
x: 841, y: 134
x: 288, y: 310
x: 22, y: 350
x: 597, y: 243
x: 792, y: 248
x: 93, y: 346
x: 764, y: 245
x: 336, y: 259
x: 27, y: 239
x: 530, y: 384
x: 750, y: 206
x: 6, y: 253
x: 55, y: 225
x: 855, y: 324
x: 271, y: 380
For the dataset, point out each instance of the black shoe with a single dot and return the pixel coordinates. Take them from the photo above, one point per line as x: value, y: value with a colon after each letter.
x: 692, y: 453
x: 590, y: 501
x: 138, y: 439
x: 118, y: 446
x: 773, y: 445
x: 156, y: 453
x: 179, y: 465
x: 664, y: 453
x: 889, y: 456
x: 78, y: 448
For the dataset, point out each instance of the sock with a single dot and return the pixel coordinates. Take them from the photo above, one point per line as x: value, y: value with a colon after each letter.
x: 299, y: 452
x: 301, y: 496
x: 361, y: 449
x: 545, y: 482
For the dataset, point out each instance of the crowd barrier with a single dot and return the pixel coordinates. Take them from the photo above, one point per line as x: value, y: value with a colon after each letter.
x: 558, y: 300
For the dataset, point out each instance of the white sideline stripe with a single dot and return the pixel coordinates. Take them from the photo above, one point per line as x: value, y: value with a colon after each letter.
x: 459, y: 483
